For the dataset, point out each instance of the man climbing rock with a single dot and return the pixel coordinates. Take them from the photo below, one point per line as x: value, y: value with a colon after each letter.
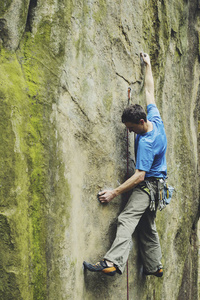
x: 150, y: 148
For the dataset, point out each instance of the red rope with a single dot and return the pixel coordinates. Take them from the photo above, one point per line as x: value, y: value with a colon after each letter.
x: 127, y: 281
x: 127, y: 175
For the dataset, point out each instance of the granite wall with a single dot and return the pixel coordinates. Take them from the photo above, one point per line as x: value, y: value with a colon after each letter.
x: 65, y: 67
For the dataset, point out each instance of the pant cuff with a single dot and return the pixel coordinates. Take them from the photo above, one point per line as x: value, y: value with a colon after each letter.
x: 153, y: 270
x: 120, y: 269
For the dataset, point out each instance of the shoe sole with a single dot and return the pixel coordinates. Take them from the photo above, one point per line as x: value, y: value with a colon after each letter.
x: 157, y: 274
x: 107, y: 271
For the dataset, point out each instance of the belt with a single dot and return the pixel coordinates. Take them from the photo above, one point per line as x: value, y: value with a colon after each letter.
x: 152, y: 178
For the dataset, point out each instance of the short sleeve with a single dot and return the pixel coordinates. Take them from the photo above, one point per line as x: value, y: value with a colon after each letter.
x: 153, y: 113
x: 145, y: 156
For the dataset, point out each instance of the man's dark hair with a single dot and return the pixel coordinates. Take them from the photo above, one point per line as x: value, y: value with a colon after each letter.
x: 134, y: 113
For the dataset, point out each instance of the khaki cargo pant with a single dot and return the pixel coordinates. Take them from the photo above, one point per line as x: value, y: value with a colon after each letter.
x: 136, y: 214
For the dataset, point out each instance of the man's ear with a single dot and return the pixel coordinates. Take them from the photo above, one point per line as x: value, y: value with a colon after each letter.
x: 142, y: 121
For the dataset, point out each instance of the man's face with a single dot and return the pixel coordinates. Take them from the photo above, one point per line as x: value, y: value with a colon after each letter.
x: 137, y: 128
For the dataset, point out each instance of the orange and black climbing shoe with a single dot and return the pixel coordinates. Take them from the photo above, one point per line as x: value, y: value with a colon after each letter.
x: 158, y: 273
x: 101, y: 266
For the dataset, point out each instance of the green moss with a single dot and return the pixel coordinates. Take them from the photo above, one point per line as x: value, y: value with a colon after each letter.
x: 7, y: 158
x: 5, y: 233
x: 24, y: 131
x: 5, y: 6
x: 9, y: 290
x: 45, y: 32
x: 100, y: 14
x: 68, y: 12
x: 41, y: 72
x: 13, y: 180
x: 37, y: 159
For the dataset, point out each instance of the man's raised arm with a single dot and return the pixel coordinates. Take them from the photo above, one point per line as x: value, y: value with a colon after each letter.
x: 148, y: 83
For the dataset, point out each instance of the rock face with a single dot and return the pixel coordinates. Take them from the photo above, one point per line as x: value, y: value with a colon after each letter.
x: 65, y: 67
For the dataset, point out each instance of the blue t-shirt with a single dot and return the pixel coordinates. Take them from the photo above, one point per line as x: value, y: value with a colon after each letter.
x: 150, y: 147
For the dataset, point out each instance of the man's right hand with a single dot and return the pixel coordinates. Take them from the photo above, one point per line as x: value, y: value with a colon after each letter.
x: 106, y: 196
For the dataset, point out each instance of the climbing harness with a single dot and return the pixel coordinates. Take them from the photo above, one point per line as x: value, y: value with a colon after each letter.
x: 152, y: 205
x: 159, y: 191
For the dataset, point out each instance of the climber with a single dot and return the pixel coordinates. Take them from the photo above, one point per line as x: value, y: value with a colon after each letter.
x: 150, y: 148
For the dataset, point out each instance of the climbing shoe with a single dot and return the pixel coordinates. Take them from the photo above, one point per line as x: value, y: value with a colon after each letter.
x: 158, y: 273
x: 100, y: 266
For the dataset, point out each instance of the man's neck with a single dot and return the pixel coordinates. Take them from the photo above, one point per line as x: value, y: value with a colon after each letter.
x: 149, y: 126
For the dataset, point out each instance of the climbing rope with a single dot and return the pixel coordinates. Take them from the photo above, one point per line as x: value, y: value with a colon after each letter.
x: 127, y: 175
